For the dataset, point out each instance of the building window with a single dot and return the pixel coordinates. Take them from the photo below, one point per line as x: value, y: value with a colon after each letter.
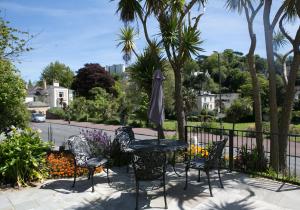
x: 61, y: 94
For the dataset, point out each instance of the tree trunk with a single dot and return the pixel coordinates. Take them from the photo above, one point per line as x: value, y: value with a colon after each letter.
x: 257, y: 108
x: 272, y: 86
x: 180, y: 115
x: 255, y: 84
x: 288, y: 105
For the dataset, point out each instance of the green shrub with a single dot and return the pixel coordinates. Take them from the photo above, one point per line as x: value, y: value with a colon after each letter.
x: 247, y: 160
x: 22, y: 157
x: 193, y: 118
x: 295, y: 117
x: 56, y: 113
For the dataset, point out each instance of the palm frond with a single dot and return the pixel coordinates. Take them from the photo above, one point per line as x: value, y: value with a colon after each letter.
x: 191, y: 41
x: 279, y: 41
x: 234, y: 5
x: 126, y: 40
x: 291, y: 8
x: 128, y: 9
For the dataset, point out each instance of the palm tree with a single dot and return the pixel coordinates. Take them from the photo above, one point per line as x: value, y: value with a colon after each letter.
x: 287, y: 11
x: 250, y: 13
x: 292, y: 11
x: 178, y: 35
x: 126, y: 40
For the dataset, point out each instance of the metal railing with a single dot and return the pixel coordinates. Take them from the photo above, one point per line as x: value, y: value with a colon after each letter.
x: 243, y: 142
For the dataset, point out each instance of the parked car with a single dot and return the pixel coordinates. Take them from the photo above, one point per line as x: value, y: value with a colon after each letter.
x: 37, y: 117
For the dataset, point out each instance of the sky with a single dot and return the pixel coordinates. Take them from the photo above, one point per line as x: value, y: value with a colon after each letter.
x: 76, y: 32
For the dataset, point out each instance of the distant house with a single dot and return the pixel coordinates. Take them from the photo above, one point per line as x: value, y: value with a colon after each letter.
x: 206, y: 100
x: 41, y: 98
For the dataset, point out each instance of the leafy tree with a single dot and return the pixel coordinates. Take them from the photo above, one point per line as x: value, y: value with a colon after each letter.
x: 90, y: 76
x: 102, y: 104
x: 239, y: 109
x: 13, y: 42
x: 13, y: 111
x: 178, y: 34
x: 57, y: 72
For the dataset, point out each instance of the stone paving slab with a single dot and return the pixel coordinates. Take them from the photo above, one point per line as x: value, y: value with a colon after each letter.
x: 240, y: 193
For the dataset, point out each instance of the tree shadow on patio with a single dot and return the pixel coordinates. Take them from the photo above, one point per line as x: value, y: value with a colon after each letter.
x: 242, y: 204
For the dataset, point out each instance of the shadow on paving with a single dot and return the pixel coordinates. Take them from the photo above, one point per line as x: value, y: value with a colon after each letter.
x: 120, y: 193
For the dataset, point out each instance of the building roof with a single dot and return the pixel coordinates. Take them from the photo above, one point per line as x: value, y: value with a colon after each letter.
x: 34, y: 104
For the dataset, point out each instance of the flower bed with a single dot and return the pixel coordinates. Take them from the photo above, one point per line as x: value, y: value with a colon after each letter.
x: 61, y: 164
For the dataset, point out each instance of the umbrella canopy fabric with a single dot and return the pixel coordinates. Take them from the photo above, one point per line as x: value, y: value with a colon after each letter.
x: 156, y: 111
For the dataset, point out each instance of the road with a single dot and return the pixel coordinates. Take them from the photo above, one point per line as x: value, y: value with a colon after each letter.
x: 61, y: 132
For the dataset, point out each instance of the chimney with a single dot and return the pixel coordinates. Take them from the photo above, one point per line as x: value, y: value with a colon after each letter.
x: 55, y: 83
x: 44, y: 84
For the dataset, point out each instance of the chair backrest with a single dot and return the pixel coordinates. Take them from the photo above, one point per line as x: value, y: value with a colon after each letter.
x: 124, y: 136
x: 80, y: 148
x: 216, y: 151
x: 125, y: 129
x: 149, y: 165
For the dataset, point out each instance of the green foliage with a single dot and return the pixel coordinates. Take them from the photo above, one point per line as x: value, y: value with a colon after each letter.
x: 13, y: 42
x: 79, y: 109
x: 248, y: 160
x: 101, y: 104
x: 22, y: 157
x: 240, y: 109
x: 57, y: 112
x: 58, y: 72
x: 12, y: 96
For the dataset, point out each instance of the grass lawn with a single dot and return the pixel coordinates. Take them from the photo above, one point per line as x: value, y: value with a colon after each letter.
x: 171, y: 125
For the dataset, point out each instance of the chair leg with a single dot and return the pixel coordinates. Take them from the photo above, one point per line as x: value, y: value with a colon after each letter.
x: 137, y: 195
x: 165, y: 197
x: 107, y: 173
x: 92, y: 176
x: 208, y: 179
x: 89, y: 175
x: 199, y: 174
x: 220, y: 178
x: 186, y: 178
x: 75, y: 173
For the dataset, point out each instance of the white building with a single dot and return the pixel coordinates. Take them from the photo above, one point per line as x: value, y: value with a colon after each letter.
x: 116, y: 69
x: 52, y: 95
x: 206, y: 100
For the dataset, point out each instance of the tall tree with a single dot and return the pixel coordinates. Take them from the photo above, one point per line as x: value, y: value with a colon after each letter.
x: 292, y: 11
x: 13, y: 42
x: 289, y: 9
x: 179, y: 35
x: 250, y: 13
x: 90, y: 76
x: 12, y: 96
x: 58, y: 72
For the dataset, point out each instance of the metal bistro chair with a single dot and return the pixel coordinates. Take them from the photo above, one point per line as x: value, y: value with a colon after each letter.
x: 206, y: 164
x: 149, y: 166
x: 123, y: 137
x: 83, y: 157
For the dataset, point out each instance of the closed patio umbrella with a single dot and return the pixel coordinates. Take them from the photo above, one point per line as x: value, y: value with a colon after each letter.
x: 156, y: 110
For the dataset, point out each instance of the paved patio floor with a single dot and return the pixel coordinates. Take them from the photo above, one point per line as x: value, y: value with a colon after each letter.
x: 240, y: 192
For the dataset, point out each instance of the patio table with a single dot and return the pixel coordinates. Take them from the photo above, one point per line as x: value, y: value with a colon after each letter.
x: 163, y: 145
